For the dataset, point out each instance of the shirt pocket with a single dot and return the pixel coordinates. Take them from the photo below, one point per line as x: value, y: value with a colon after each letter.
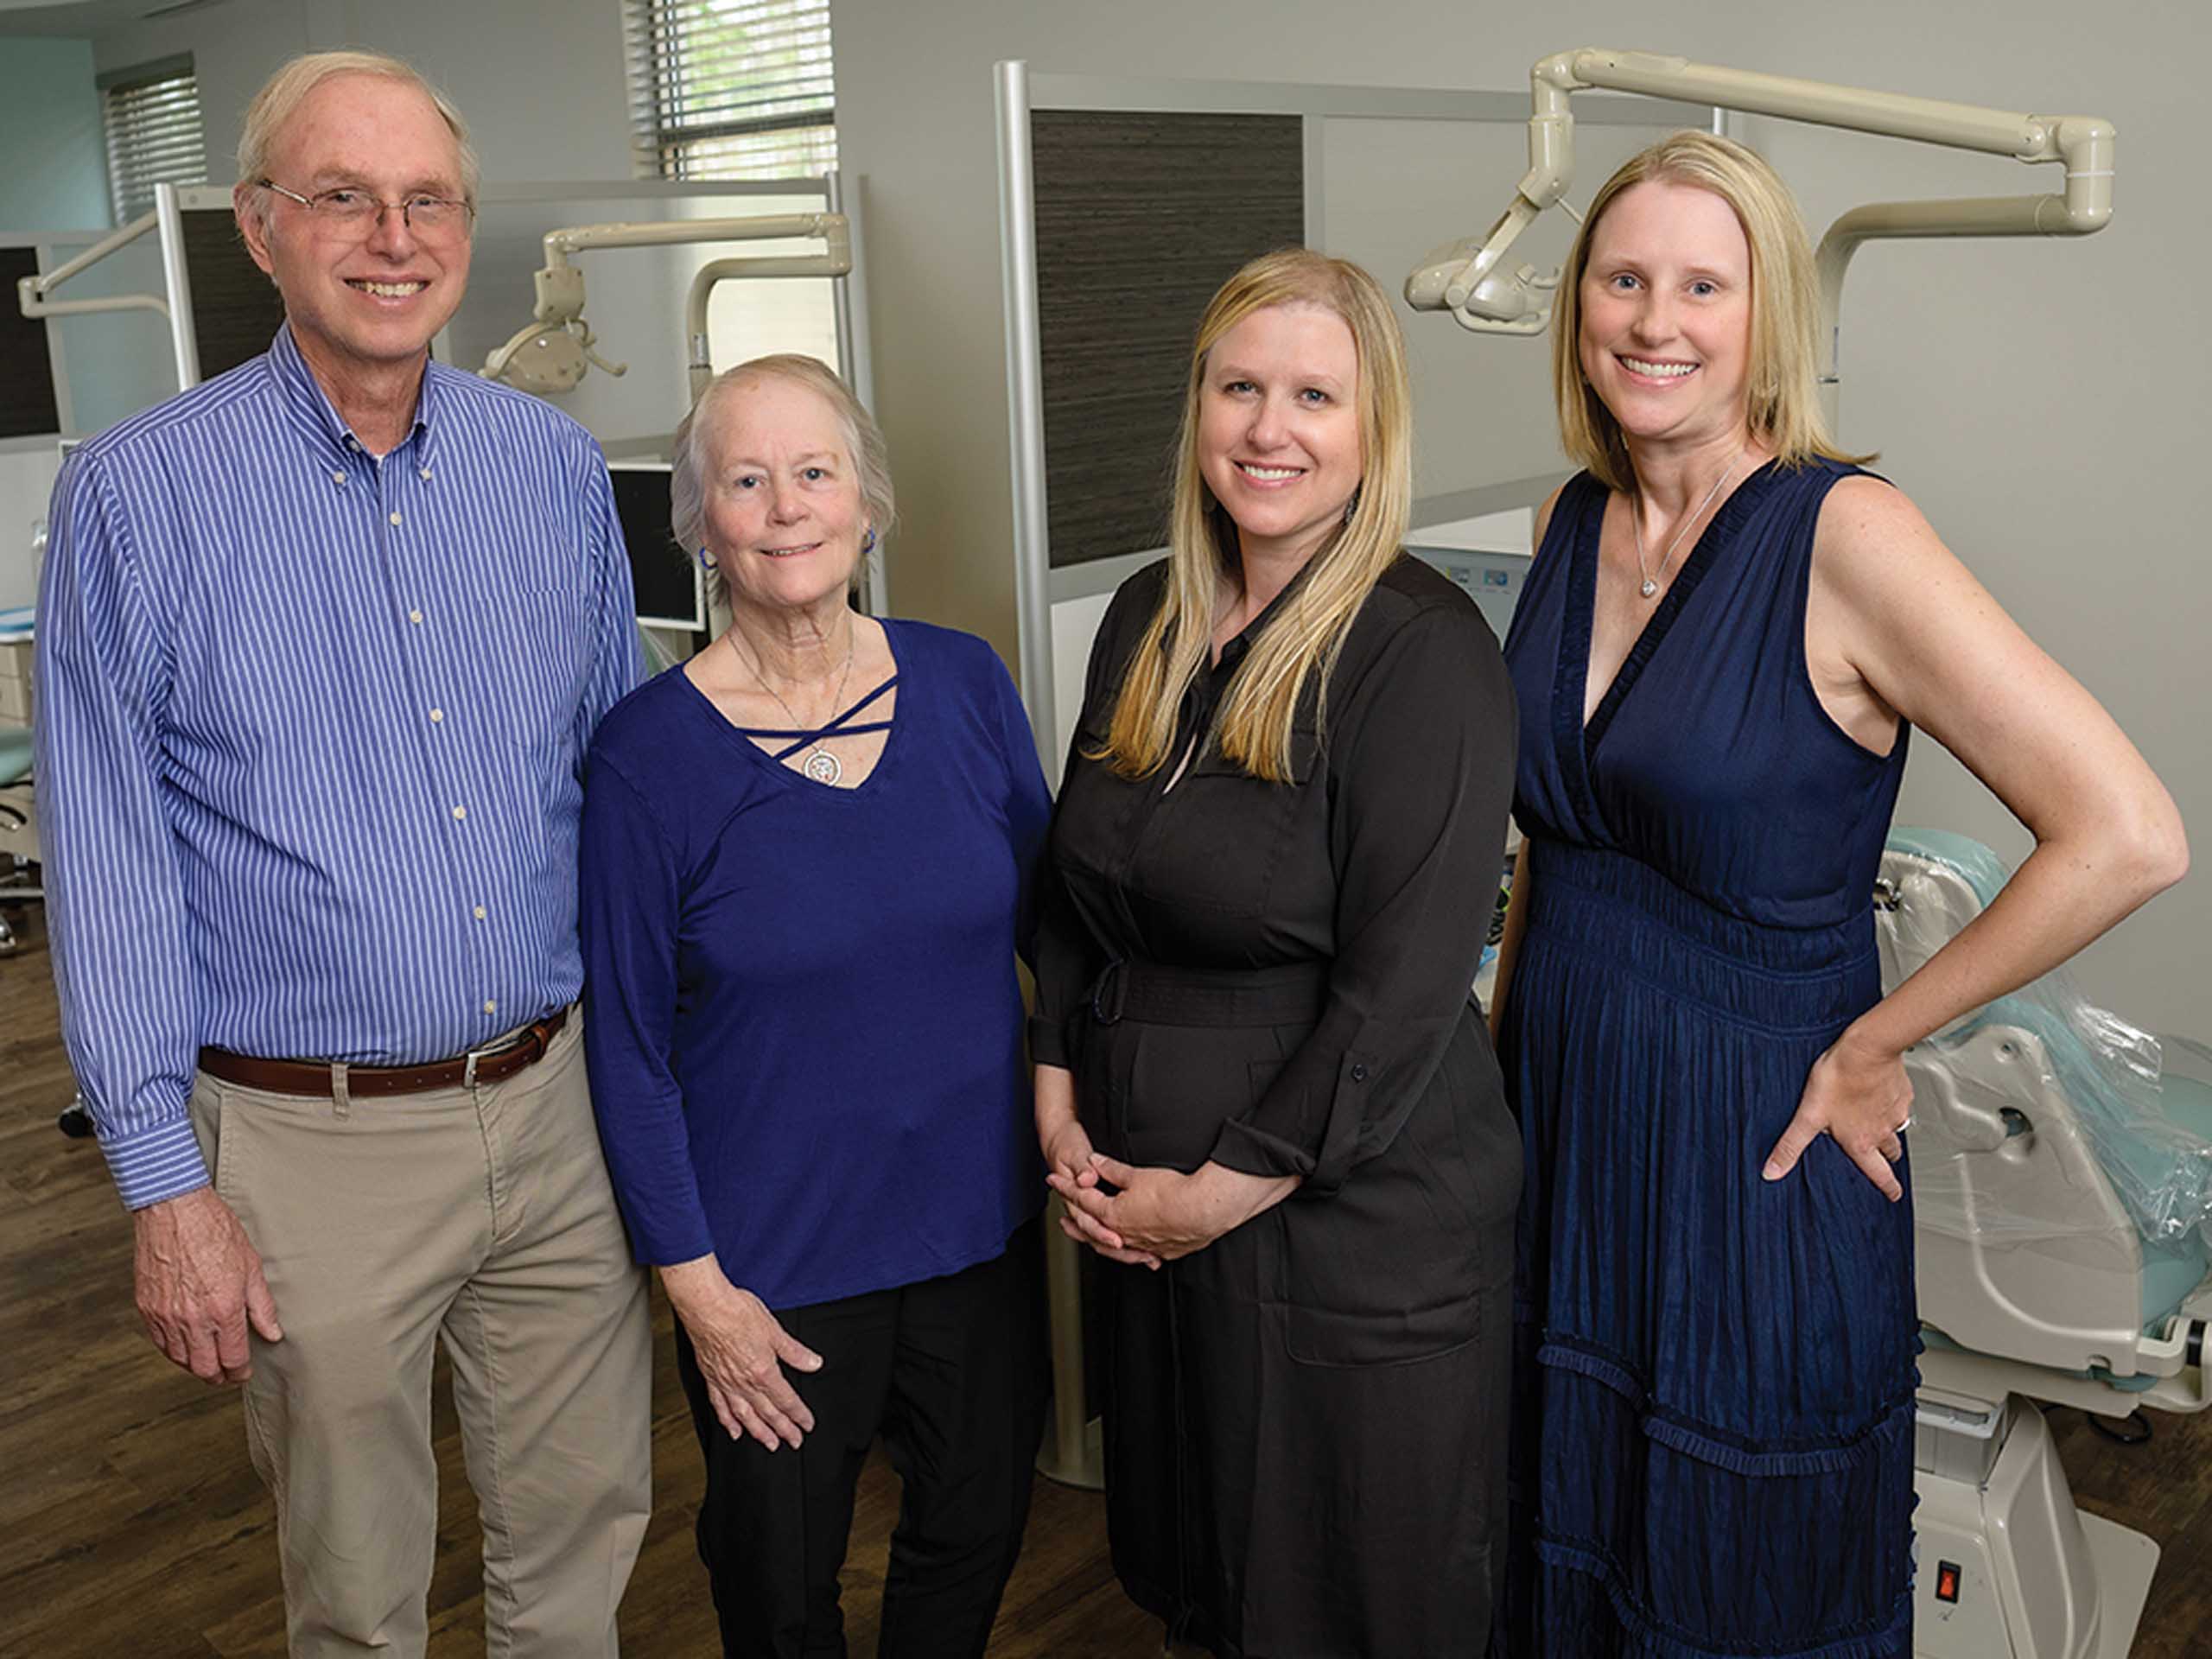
x: 1403, y: 1263
x: 1218, y: 841
x: 539, y: 643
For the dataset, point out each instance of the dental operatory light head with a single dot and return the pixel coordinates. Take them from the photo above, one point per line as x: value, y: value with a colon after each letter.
x: 552, y: 353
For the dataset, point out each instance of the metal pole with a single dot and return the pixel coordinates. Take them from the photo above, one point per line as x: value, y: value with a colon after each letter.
x: 1025, y: 385
x: 184, y: 340
x: 1072, y: 1456
x: 875, y: 585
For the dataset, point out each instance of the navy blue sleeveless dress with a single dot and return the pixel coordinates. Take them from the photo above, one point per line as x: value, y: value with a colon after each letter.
x: 1714, y: 1375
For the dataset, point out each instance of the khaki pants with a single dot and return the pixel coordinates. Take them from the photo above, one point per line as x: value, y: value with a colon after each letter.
x: 480, y: 1217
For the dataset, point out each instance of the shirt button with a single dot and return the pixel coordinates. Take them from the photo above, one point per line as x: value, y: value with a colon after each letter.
x: 337, y: 478
x: 436, y: 715
x: 1359, y: 1074
x: 426, y: 474
x: 395, y: 518
x: 479, y: 913
x: 489, y: 1006
x: 460, y: 811
x: 416, y: 617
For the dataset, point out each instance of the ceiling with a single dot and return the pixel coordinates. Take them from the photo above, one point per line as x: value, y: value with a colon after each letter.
x: 83, y: 19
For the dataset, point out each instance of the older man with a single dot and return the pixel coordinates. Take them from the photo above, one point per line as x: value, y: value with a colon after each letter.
x: 322, y: 643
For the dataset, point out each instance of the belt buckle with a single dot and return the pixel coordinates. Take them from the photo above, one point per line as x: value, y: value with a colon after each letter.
x: 534, y: 1034
x: 1110, y: 993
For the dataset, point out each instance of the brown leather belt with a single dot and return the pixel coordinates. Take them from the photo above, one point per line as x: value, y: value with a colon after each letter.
x: 316, y: 1078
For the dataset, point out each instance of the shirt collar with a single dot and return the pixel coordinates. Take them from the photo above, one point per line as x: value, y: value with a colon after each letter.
x: 310, y: 408
x: 1233, y: 651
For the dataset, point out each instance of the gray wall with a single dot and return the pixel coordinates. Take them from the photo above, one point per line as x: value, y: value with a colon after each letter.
x: 55, y: 178
x: 541, y: 84
x: 2043, y: 403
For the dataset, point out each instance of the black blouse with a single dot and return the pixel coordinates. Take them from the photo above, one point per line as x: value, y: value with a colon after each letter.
x: 1377, y: 864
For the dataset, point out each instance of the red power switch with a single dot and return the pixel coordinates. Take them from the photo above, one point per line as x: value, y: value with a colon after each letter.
x: 1947, y: 1582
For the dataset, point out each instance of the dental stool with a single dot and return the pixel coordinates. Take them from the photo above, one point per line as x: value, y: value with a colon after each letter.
x: 2061, y: 1169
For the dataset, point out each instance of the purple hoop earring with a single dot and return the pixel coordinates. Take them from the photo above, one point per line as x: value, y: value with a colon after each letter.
x: 868, y: 541
x: 706, y: 560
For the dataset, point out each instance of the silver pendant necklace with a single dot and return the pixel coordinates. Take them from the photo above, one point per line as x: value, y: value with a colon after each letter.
x: 1635, y: 527
x: 819, y: 763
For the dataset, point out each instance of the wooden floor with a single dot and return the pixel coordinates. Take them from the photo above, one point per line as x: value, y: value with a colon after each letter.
x: 131, y: 1525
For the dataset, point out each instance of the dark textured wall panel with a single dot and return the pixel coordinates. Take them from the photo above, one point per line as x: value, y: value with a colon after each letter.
x: 235, y: 310
x: 1140, y: 218
x: 27, y: 406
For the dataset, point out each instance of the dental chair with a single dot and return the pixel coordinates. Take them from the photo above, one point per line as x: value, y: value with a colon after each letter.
x: 2062, y: 1168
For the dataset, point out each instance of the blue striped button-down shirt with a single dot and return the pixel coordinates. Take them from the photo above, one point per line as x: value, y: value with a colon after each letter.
x: 309, y: 731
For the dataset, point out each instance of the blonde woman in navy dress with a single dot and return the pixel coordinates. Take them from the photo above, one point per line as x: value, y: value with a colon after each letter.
x: 1728, y: 631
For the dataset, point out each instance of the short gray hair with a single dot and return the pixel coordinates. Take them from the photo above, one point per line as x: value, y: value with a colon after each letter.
x: 690, y: 465
x: 284, y: 92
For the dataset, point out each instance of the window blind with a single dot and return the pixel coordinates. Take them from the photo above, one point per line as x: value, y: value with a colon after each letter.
x: 733, y: 88
x: 155, y: 134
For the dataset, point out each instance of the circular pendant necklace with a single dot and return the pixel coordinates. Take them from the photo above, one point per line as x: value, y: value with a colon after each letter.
x: 1650, y: 583
x: 818, y: 763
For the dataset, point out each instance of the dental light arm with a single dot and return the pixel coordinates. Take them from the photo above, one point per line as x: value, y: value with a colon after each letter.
x: 1469, y: 279
x: 554, y: 351
x: 31, y: 291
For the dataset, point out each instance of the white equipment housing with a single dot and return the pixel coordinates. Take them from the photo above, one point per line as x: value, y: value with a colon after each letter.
x: 2059, y: 1187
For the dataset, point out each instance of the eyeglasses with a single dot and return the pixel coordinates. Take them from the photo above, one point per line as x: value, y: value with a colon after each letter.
x: 353, y: 212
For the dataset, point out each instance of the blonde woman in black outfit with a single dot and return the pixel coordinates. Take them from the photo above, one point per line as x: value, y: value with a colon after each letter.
x: 1261, y: 1087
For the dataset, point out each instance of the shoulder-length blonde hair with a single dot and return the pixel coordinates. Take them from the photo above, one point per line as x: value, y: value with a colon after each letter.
x: 1782, y: 398
x: 1301, y: 640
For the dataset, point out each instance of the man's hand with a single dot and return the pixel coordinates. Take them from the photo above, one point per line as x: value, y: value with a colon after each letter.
x: 199, y: 1283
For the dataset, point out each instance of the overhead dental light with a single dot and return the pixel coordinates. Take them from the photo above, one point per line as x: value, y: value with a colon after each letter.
x: 554, y: 352
x: 1471, y: 279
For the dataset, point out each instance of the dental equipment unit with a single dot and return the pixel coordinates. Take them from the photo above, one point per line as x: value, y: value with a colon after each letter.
x: 553, y: 353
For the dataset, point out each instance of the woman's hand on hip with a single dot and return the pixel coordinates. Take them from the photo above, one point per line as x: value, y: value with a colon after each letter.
x: 1859, y: 1096
x: 1164, y: 1212
x: 742, y: 1351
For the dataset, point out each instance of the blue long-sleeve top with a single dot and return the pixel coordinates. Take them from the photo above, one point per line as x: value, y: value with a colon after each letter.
x: 802, y: 1015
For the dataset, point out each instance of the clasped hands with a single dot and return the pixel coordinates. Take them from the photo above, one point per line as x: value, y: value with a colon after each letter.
x: 1155, y: 1215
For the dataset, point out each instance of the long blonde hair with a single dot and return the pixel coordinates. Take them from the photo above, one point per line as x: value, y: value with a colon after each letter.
x: 1301, y: 640
x: 1782, y: 398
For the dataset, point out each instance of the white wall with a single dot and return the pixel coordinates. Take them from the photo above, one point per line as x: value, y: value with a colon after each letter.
x: 2042, y: 402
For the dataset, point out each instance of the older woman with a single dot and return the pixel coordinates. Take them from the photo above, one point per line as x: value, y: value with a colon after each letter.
x: 806, y: 856
x: 1728, y: 631
x: 1261, y: 1085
